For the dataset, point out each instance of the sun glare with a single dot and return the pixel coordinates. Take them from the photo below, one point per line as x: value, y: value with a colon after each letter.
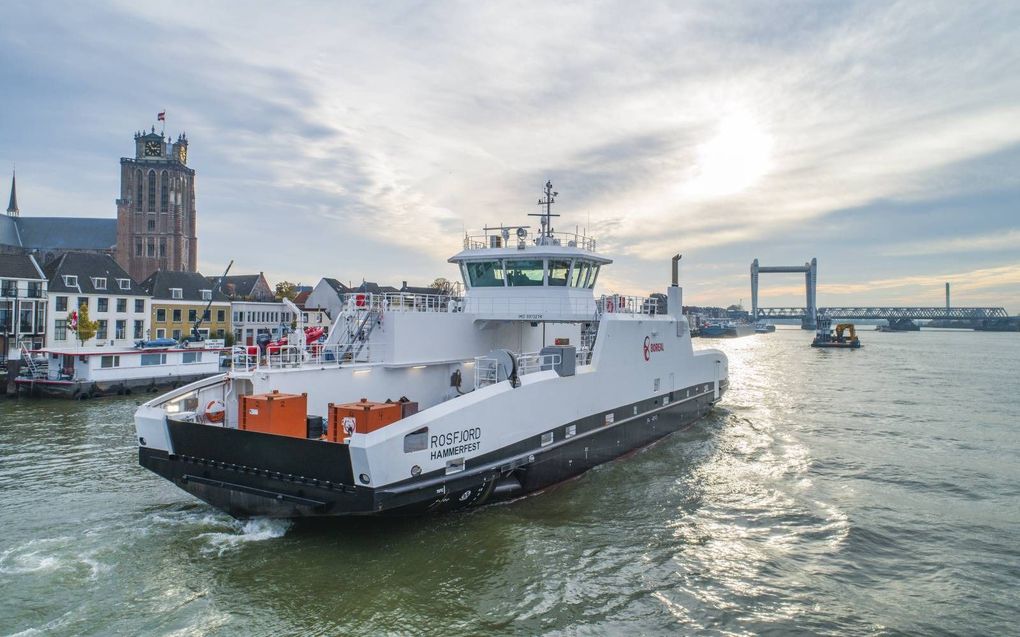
x: 731, y: 161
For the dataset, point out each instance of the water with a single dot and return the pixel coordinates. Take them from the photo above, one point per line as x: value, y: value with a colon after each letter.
x: 835, y: 492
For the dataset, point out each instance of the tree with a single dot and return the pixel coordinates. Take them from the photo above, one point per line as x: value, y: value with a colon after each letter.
x: 86, y: 329
x: 444, y: 287
x: 286, y: 290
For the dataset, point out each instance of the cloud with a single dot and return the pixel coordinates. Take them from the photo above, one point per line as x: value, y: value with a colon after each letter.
x: 362, y: 139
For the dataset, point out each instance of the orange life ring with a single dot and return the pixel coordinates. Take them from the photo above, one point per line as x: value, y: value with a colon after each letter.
x: 215, y: 411
x: 359, y: 300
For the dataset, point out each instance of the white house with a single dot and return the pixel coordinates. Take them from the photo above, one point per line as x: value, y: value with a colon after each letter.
x: 251, y: 318
x: 119, y: 305
x: 22, y: 304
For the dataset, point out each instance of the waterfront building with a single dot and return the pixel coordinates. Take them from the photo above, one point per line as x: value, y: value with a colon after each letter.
x: 251, y: 318
x: 246, y: 287
x: 311, y: 316
x: 156, y: 217
x: 327, y: 295
x: 115, y: 301
x: 22, y: 304
x: 179, y: 298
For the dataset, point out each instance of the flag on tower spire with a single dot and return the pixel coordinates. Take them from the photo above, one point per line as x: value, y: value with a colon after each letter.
x: 12, y: 207
x: 161, y: 116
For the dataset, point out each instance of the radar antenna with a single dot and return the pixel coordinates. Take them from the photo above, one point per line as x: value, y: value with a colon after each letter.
x: 550, y: 199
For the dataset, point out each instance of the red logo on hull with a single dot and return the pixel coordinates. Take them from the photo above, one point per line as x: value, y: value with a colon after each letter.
x: 650, y: 347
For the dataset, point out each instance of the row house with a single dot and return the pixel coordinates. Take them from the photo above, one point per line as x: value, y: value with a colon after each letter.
x: 23, y: 304
x: 118, y: 304
x: 179, y: 299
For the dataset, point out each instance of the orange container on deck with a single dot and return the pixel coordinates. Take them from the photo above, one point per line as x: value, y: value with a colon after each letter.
x: 364, y: 416
x: 275, y: 413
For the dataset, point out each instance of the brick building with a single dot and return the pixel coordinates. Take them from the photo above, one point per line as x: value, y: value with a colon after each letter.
x: 157, y: 226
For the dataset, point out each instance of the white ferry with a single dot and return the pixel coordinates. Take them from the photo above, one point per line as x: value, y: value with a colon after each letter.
x: 91, y: 372
x: 525, y: 381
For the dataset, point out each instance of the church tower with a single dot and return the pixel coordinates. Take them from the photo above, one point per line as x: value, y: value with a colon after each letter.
x: 156, y: 217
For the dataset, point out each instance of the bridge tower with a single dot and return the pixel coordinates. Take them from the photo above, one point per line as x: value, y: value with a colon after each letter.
x: 810, y: 270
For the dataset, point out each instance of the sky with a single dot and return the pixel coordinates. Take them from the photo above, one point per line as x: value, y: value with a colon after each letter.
x: 361, y: 140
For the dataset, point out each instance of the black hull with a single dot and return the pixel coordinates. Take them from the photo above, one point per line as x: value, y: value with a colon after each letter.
x: 248, y: 474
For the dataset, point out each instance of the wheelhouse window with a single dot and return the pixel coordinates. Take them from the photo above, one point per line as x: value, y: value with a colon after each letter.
x: 525, y: 272
x: 486, y: 274
x: 559, y: 269
x: 580, y: 275
x: 594, y: 274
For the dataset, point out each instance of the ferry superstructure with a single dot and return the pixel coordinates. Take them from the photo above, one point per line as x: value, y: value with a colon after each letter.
x: 526, y: 380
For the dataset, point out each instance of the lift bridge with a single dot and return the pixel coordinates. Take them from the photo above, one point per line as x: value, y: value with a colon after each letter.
x: 900, y: 316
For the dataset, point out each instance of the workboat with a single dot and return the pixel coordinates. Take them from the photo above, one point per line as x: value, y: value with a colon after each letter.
x: 843, y: 337
x: 419, y: 403
x: 764, y: 327
x: 93, y: 371
x: 726, y: 329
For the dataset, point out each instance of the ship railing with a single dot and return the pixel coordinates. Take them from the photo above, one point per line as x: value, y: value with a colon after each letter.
x: 494, y: 239
x: 537, y: 362
x: 624, y: 304
x: 583, y: 357
x: 486, y: 371
x: 401, y: 302
x: 251, y: 358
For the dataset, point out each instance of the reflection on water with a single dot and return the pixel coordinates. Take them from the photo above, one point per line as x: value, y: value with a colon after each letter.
x: 850, y: 492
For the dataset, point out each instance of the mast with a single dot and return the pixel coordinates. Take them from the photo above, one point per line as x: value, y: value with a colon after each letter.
x: 545, y: 234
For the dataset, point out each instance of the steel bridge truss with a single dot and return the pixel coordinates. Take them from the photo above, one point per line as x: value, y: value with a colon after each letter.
x: 889, y: 313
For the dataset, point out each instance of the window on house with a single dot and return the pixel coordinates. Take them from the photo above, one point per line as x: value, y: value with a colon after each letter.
x: 205, y: 315
x: 176, y: 293
x: 138, y: 247
x: 220, y: 333
x: 177, y: 316
x: 99, y: 283
x: 151, y: 227
x: 161, y: 315
x: 206, y: 295
x: 139, y: 329
x: 192, y: 315
x: 221, y: 315
x: 60, y: 330
x: 102, y: 304
x: 70, y: 280
x: 120, y: 330
x: 101, y: 330
x: 109, y: 361
x: 153, y: 359
x: 124, y: 284
x: 162, y: 248
x: 139, y: 305
x: 161, y: 333
x: 177, y: 335
x: 83, y: 301
x: 150, y: 248
x: 122, y: 305
x: 61, y: 304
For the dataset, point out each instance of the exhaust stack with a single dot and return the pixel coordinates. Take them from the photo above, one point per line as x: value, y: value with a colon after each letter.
x: 676, y: 269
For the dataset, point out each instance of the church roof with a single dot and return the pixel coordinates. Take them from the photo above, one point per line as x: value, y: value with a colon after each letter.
x: 9, y: 231
x: 67, y: 233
